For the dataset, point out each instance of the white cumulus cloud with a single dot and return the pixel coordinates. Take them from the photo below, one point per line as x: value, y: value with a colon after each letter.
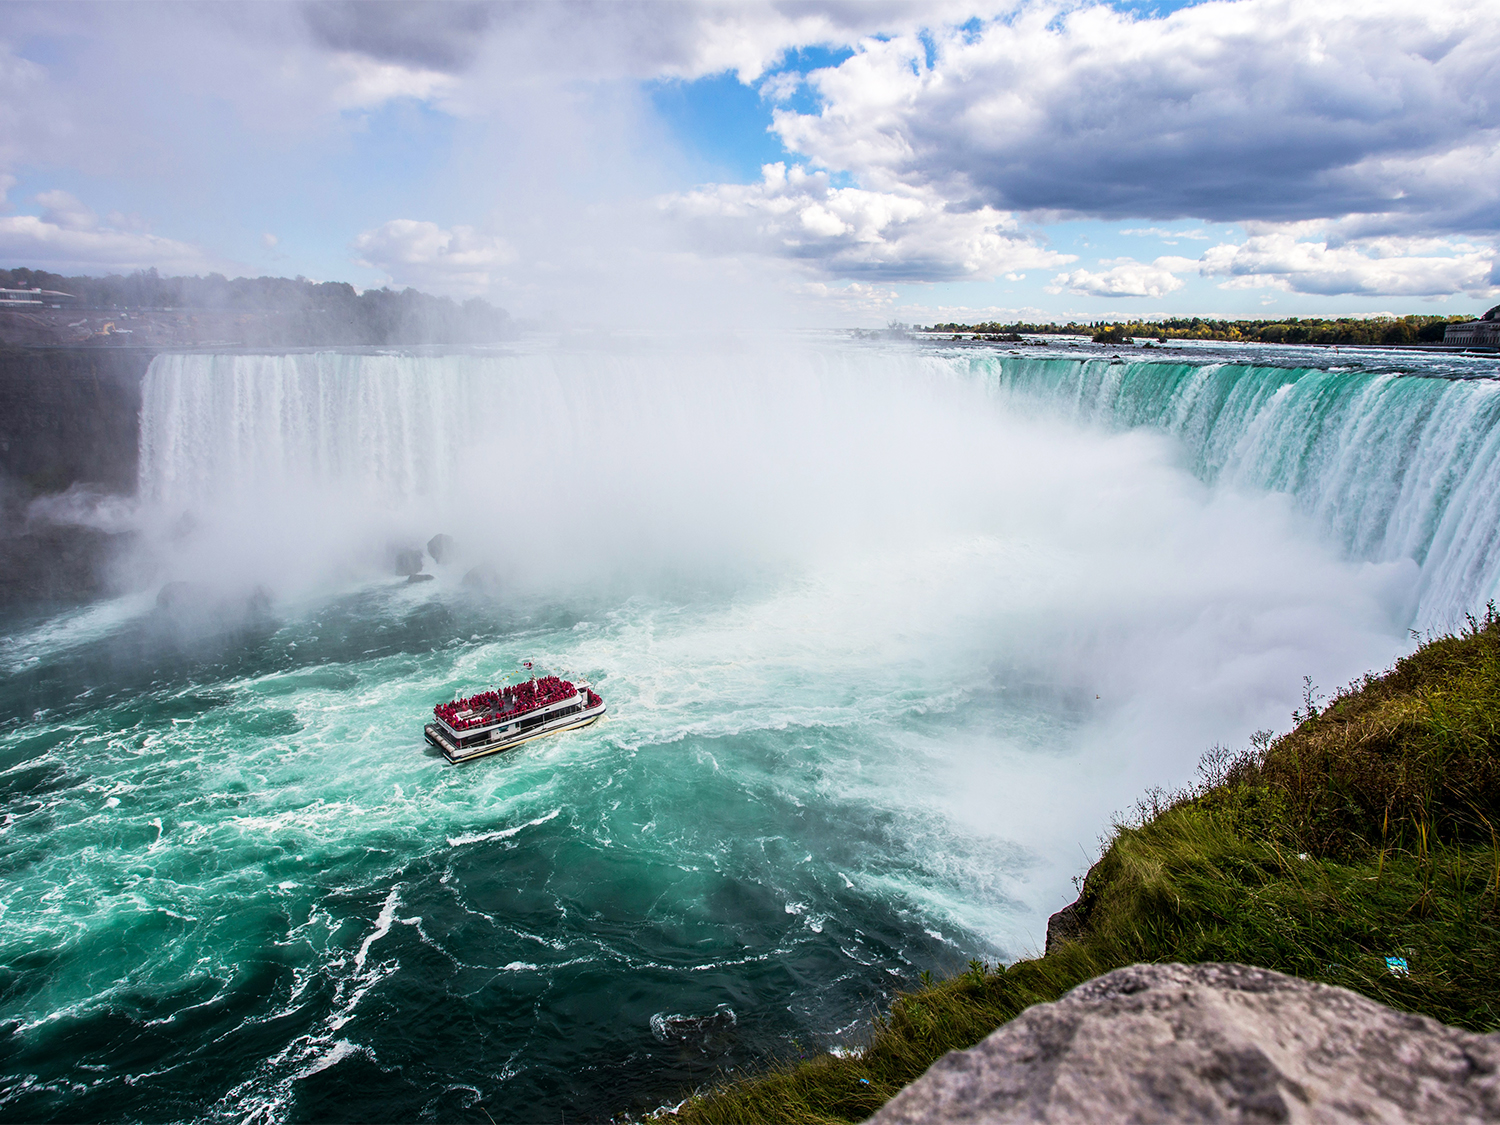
x: 906, y: 235
x: 1125, y: 278
x: 68, y: 237
x: 1270, y: 109
x: 1376, y: 268
x: 457, y: 261
x: 64, y: 210
x: 1165, y: 234
x: 364, y: 83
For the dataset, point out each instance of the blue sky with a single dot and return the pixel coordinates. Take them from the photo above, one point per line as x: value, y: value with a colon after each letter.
x: 609, y: 162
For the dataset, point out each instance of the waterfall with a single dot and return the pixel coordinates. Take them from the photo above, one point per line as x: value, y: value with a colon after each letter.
x: 554, y: 463
x: 1394, y: 466
x: 377, y: 427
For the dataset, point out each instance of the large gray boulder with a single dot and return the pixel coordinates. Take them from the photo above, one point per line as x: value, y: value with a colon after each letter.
x: 407, y: 561
x: 1200, y: 1043
x: 484, y: 579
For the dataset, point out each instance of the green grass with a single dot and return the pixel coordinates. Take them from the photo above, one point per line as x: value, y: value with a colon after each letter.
x: 1370, y: 830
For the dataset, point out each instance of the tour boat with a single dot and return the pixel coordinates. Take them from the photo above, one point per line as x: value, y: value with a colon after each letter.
x: 492, y: 721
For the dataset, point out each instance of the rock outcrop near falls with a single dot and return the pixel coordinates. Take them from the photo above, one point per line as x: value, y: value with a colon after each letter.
x: 1211, y: 1042
x: 68, y: 417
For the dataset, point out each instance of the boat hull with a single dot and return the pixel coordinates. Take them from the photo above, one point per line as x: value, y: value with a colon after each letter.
x: 461, y: 754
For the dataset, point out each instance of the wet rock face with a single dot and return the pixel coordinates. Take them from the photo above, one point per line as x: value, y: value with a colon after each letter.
x: 67, y: 417
x: 196, y: 603
x: 1068, y: 924
x: 712, y: 1034
x: 1215, y: 1042
x: 70, y: 415
x: 408, y: 562
x: 483, y: 579
x: 440, y: 547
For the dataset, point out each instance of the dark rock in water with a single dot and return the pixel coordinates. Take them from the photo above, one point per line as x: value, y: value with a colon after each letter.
x: 440, y: 547
x: 198, y: 604
x: 484, y: 578
x: 1214, y: 1042
x: 182, y: 527
x: 410, y: 578
x: 710, y: 1034
x: 175, y: 597
x: 408, y: 561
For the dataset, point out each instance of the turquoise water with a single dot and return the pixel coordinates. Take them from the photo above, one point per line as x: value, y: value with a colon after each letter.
x: 886, y: 636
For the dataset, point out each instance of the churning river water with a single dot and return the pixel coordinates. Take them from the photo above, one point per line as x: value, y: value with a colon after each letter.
x: 887, y: 634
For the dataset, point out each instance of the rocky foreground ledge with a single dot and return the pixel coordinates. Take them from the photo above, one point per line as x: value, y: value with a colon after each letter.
x: 1213, y: 1042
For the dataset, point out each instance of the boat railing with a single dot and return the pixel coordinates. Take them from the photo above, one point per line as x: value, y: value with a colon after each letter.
x: 490, y: 708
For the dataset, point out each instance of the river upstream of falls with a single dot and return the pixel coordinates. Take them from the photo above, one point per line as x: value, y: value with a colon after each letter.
x: 887, y: 634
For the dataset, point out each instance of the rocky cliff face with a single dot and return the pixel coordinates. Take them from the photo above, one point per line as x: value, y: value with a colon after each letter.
x: 71, y: 415
x: 1216, y: 1042
x: 69, y: 419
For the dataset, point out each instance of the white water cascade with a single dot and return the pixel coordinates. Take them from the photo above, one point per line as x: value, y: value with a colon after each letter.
x: 1395, y: 465
x: 657, y: 457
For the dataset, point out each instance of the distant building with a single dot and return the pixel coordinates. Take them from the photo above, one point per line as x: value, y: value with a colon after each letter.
x: 1481, y: 333
x: 13, y: 298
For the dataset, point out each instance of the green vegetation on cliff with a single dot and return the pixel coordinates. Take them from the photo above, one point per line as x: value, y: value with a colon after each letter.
x: 1371, y: 830
x: 1378, y: 330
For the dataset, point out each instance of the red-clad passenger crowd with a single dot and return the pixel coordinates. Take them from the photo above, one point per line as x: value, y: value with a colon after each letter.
x: 495, y: 706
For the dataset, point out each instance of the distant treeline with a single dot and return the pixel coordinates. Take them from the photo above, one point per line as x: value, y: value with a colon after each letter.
x: 1293, y: 330
x: 309, y: 312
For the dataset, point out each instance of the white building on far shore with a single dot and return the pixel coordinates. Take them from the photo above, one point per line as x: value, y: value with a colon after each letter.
x: 11, y: 298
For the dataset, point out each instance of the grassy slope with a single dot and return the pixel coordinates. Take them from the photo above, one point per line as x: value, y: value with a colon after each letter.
x: 1372, y: 829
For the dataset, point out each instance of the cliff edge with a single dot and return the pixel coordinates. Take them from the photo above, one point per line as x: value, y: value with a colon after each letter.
x: 1210, y: 1042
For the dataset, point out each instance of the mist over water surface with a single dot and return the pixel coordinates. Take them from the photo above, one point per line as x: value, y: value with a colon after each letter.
x: 886, y: 635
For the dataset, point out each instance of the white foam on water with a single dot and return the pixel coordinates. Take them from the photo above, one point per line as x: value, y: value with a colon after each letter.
x: 70, y: 630
x: 336, y: 1054
x: 382, y: 926
x: 501, y: 833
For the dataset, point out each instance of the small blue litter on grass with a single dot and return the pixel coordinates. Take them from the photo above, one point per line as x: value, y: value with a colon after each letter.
x: 866, y: 1081
x: 1397, y: 967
